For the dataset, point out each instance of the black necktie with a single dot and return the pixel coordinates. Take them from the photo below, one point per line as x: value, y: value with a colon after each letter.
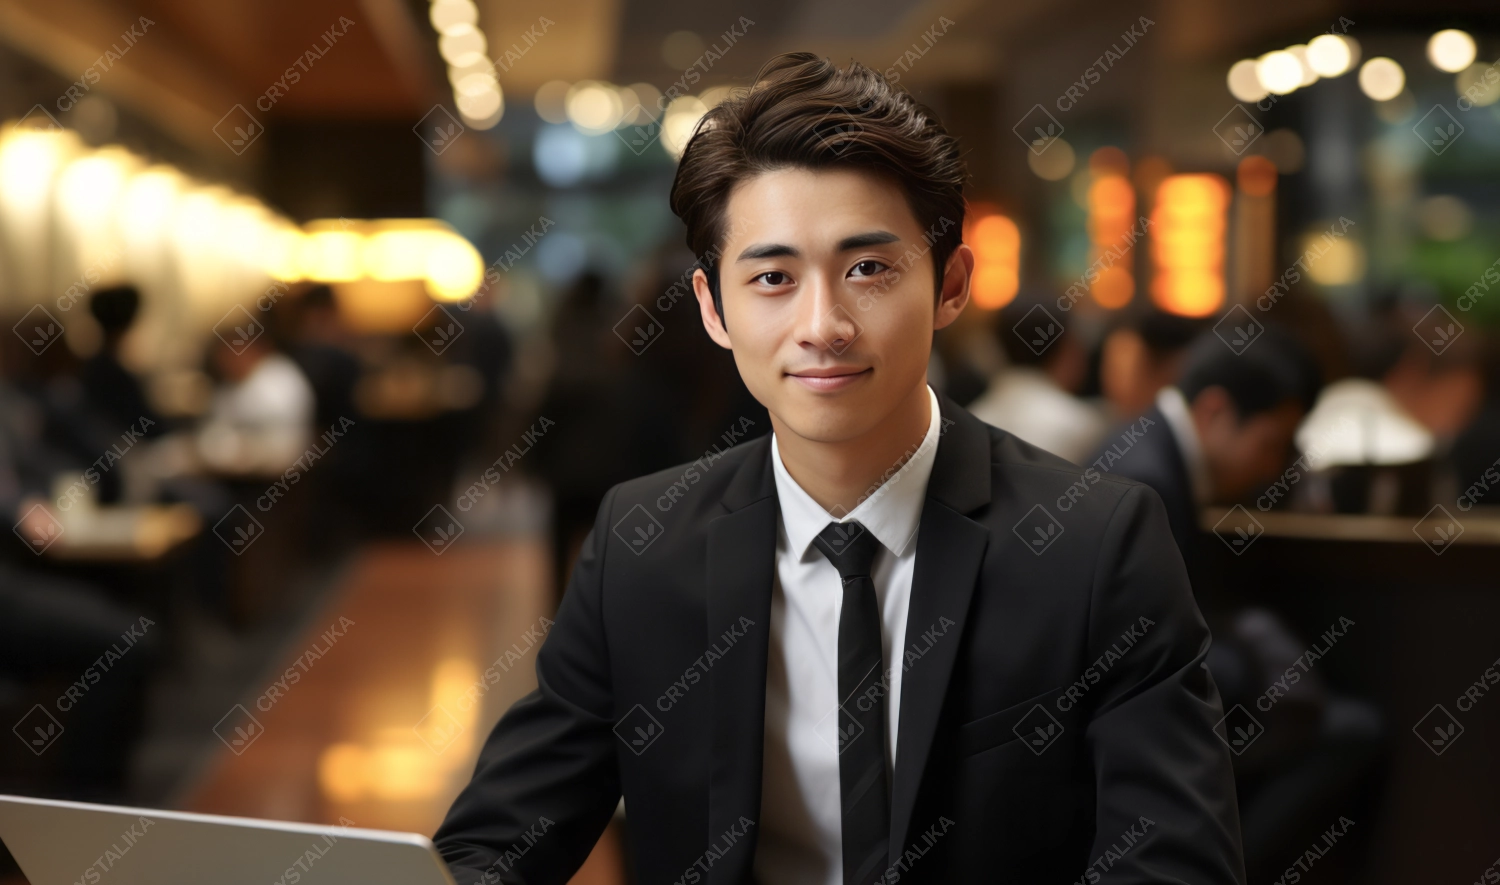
x: 862, y: 689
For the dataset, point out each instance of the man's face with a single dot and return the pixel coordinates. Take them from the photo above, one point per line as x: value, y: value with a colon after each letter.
x: 1244, y: 456
x: 827, y: 287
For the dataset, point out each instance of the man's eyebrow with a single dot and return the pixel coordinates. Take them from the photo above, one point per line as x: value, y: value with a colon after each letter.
x: 781, y: 250
x: 768, y: 250
x: 873, y: 238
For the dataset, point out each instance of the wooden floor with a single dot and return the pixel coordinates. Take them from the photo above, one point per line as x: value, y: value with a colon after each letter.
x: 383, y: 723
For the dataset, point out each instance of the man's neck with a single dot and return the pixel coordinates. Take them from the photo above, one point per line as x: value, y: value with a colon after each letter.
x: 839, y: 475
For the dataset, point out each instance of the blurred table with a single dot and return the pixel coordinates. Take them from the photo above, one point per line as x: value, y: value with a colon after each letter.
x: 123, y: 534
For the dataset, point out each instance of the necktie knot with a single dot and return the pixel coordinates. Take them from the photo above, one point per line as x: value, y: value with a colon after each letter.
x: 850, y: 547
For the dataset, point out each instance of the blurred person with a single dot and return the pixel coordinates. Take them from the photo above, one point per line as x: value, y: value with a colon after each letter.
x: 321, y: 348
x: 1035, y: 395
x: 1221, y: 435
x: 1375, y: 454
x: 611, y: 421
x: 260, y: 418
x: 867, y: 551
x: 1223, y: 430
x: 706, y: 395
x: 1142, y: 355
x: 112, y: 389
x: 54, y: 630
x: 1476, y: 450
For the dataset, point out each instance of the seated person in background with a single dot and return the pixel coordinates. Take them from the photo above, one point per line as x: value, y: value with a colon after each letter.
x: 1222, y: 431
x: 260, y: 420
x: 1034, y: 395
x: 54, y: 629
x: 1142, y: 355
x: 113, y: 391
x: 1221, y: 435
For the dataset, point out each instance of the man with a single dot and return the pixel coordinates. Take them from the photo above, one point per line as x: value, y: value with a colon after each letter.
x: 1223, y: 431
x: 1222, y: 435
x: 857, y: 650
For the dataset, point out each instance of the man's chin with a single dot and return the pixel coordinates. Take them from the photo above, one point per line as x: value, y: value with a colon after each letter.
x: 827, y: 422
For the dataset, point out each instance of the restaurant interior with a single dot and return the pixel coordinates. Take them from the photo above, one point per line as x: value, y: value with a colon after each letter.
x: 332, y: 322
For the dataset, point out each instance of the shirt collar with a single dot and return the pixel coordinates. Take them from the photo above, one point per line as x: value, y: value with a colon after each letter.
x: 1174, y: 407
x: 891, y: 513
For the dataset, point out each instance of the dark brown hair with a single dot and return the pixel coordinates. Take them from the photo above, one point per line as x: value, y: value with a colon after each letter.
x: 804, y: 112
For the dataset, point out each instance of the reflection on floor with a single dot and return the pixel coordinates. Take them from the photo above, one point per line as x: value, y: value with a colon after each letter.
x: 375, y: 715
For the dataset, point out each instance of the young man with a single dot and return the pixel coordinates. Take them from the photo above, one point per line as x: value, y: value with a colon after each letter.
x: 862, y: 649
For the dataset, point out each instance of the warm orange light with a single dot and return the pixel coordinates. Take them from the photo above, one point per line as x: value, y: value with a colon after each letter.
x: 996, y: 242
x: 1113, y: 288
x: 1257, y: 176
x: 1111, y: 205
x: 1187, y: 244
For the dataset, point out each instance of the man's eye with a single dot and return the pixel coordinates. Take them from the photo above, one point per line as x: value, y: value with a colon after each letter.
x: 868, y: 268
x: 774, y: 278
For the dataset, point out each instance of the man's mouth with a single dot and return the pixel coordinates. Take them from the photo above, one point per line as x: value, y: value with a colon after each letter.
x: 830, y: 378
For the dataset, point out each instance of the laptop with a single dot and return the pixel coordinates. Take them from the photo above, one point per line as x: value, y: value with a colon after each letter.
x: 73, y: 843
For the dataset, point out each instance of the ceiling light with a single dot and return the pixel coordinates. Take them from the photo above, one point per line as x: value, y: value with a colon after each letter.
x: 1244, y: 85
x: 1329, y: 55
x: 462, y: 46
x: 1279, y: 72
x: 1451, y: 50
x: 1381, y: 78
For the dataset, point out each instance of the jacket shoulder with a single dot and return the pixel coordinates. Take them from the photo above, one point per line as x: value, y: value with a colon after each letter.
x: 694, y: 487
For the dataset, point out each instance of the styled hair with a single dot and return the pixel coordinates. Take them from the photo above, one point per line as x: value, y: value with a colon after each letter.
x: 805, y: 112
x: 1274, y: 369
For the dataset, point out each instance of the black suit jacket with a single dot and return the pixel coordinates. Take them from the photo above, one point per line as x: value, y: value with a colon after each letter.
x: 652, y: 683
x: 1154, y: 458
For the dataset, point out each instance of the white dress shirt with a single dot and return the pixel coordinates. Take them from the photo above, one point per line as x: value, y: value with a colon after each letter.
x: 800, y: 829
x: 1027, y: 402
x: 1174, y: 406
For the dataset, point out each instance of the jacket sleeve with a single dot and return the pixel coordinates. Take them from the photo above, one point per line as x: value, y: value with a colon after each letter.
x: 547, y: 781
x: 1166, y: 809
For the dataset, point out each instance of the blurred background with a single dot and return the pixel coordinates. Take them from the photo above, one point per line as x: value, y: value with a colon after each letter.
x: 331, y: 322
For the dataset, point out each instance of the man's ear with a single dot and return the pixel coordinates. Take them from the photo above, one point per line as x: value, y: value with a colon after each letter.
x: 712, y: 322
x: 957, y: 274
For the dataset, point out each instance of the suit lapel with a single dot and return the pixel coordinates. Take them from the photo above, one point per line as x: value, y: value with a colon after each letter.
x: 950, y: 549
x: 741, y: 567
